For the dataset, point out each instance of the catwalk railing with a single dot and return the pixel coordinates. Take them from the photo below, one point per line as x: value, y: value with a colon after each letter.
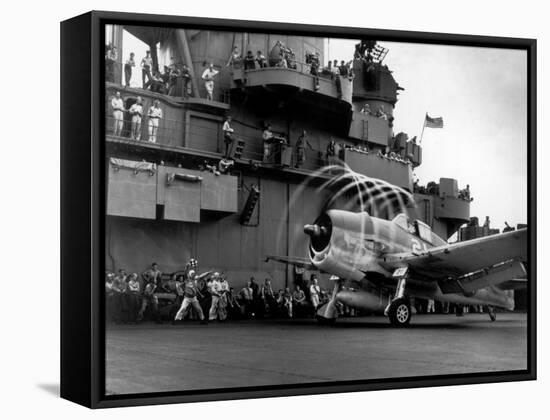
x: 176, y: 133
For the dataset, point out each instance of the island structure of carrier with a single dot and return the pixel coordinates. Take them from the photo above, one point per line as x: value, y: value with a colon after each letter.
x: 172, y: 200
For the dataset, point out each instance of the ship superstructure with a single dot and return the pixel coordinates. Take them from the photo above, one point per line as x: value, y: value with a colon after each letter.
x: 168, y: 201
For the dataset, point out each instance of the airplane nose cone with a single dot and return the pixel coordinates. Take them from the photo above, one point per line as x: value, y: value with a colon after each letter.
x: 312, y: 230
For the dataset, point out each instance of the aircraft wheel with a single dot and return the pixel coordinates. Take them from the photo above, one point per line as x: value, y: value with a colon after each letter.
x: 400, y: 312
x: 492, y: 314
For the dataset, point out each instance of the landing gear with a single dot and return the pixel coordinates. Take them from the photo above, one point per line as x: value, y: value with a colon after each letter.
x: 399, y: 309
x: 327, y: 313
x: 323, y: 315
x: 492, y: 313
x: 399, y: 312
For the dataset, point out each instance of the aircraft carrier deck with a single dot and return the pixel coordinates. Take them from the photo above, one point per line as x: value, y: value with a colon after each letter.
x: 155, y: 358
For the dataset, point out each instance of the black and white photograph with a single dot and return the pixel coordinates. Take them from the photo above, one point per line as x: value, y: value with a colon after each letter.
x: 284, y: 209
x: 265, y: 210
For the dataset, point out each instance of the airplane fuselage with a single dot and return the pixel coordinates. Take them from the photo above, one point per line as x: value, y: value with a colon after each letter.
x: 353, y: 247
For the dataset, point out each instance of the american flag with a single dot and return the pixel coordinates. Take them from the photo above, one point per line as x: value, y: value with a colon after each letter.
x: 436, y: 122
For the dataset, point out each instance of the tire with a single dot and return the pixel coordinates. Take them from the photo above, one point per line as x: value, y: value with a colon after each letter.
x: 492, y: 314
x: 400, y: 313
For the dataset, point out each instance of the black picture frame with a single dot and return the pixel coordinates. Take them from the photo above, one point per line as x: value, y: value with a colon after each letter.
x: 83, y: 209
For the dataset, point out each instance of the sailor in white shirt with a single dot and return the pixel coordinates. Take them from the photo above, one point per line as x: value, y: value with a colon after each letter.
x: 314, y: 292
x: 146, y: 67
x: 208, y: 77
x: 216, y: 292
x: 227, y: 136
x: 154, y: 114
x: 118, y: 114
x: 136, y: 111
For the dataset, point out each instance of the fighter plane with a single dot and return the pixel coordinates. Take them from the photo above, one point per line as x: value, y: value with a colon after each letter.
x: 372, y: 258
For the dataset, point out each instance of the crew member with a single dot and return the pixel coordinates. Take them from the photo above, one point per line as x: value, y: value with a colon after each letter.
x: 152, y: 274
x: 128, y: 69
x: 287, y: 302
x: 267, y: 137
x: 227, y: 135
x: 344, y: 70
x: 215, y: 291
x: 173, y: 74
x: 118, y: 114
x: 261, y: 60
x: 249, y: 61
x: 208, y: 77
x: 301, y: 149
x: 154, y: 114
x: 190, y: 292
x: 146, y: 67
x: 235, y: 57
x: 247, y: 300
x: 267, y: 296
x: 331, y: 152
x: 222, y: 304
x: 298, y: 299
x: 225, y: 165
x: 314, y: 293
x: 314, y: 71
x: 149, y: 299
x: 157, y: 83
x: 110, y: 62
x: 136, y: 111
x: 132, y: 296
x: 366, y: 109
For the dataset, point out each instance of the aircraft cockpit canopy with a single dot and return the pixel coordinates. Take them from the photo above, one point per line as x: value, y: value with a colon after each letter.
x: 415, y: 227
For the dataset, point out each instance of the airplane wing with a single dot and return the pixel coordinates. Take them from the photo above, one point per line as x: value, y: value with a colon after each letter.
x: 462, y: 258
x: 297, y: 261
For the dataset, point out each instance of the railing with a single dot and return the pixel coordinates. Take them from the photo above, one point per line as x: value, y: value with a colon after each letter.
x: 115, y: 73
x: 299, y: 66
x: 177, y: 133
x: 324, y: 82
x: 172, y: 133
x: 163, y: 131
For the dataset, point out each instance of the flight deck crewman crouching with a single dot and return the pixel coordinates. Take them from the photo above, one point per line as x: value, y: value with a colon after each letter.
x: 190, y: 292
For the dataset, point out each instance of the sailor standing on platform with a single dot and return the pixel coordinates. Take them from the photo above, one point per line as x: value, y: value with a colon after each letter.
x: 331, y: 152
x: 146, y: 67
x: 128, y: 69
x: 136, y: 111
x: 227, y: 136
x: 301, y: 149
x: 118, y: 114
x: 208, y: 77
x: 267, y: 137
x: 154, y: 114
